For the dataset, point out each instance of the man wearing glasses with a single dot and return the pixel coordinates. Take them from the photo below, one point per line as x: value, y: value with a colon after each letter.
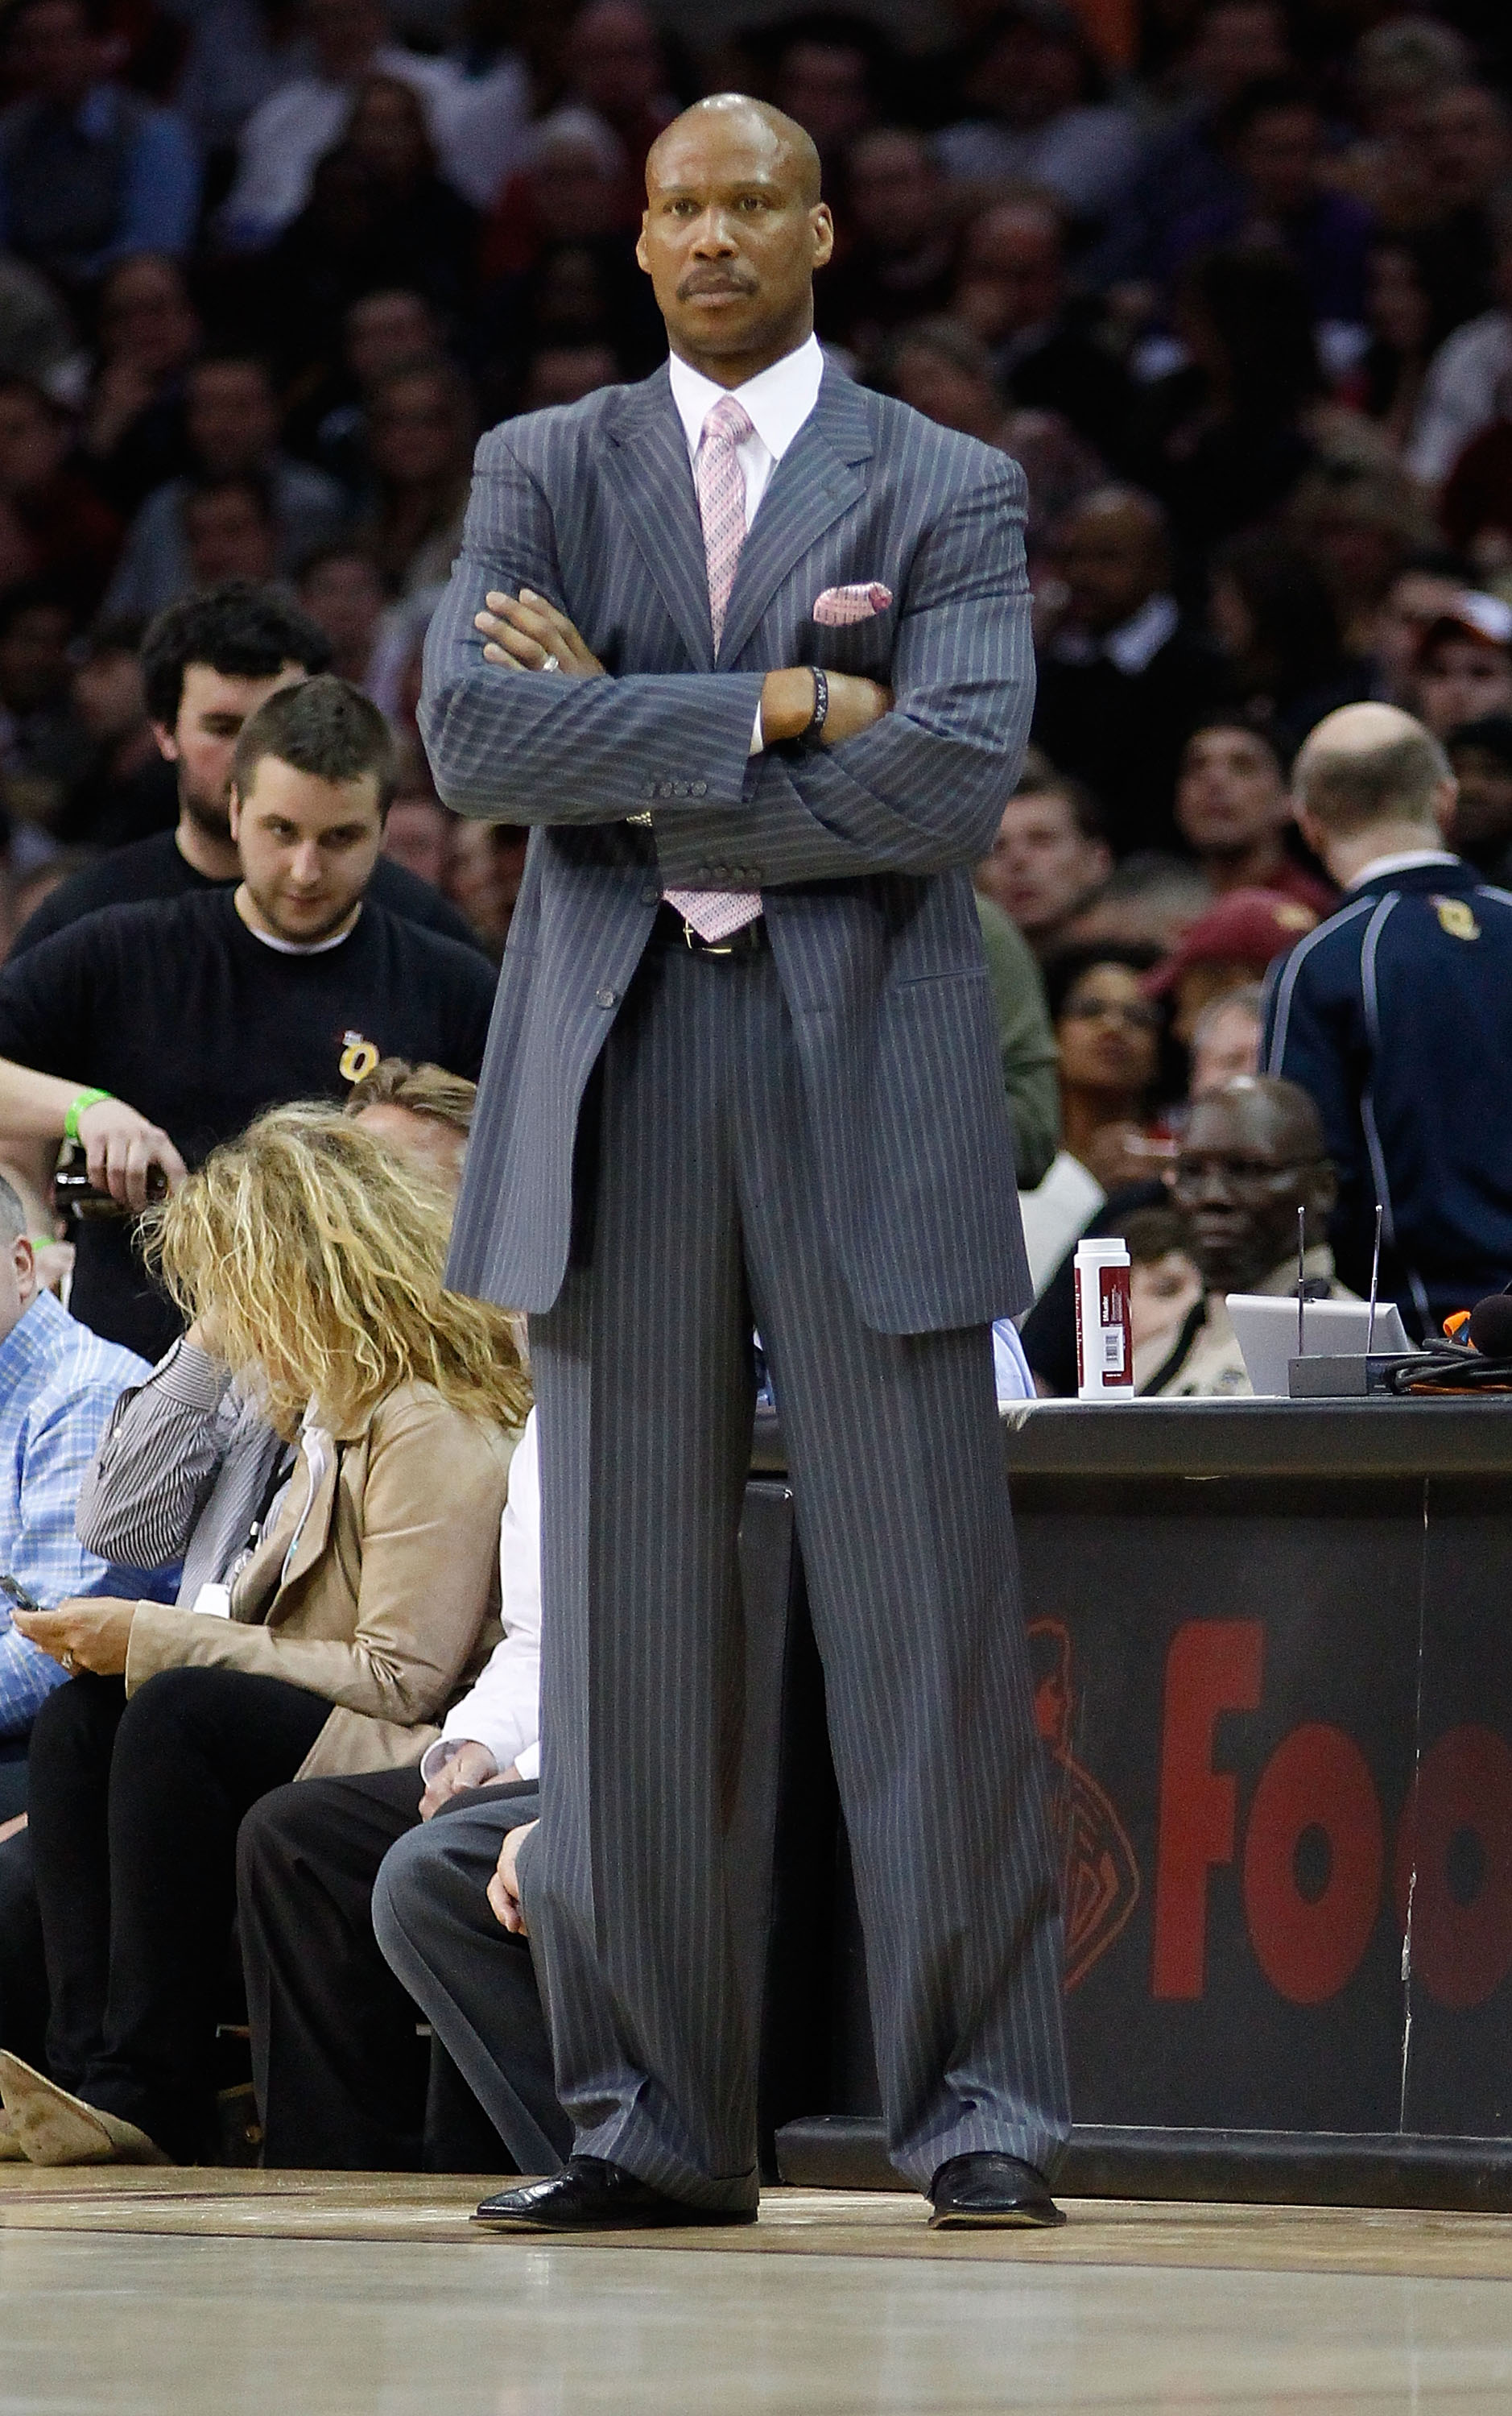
x: 1251, y: 1155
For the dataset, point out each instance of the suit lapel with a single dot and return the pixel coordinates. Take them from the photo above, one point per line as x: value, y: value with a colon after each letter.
x: 647, y: 465
x: 820, y: 475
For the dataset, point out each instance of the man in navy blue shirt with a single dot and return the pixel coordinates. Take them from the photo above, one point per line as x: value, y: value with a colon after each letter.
x: 1396, y: 1015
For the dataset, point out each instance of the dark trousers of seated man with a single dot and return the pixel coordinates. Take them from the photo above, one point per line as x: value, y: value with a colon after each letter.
x: 334, y: 2058
x: 133, y: 1818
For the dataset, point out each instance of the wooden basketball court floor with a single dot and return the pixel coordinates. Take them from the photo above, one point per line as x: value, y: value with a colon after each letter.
x: 203, y: 2293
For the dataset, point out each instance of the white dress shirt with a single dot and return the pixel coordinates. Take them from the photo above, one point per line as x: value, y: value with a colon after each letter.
x: 776, y: 402
x: 300, y: 121
x: 1467, y: 386
x: 1410, y: 859
x: 503, y: 1710
x: 1131, y: 648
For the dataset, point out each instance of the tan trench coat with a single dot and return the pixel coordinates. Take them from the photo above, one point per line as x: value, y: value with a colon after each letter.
x: 389, y: 1606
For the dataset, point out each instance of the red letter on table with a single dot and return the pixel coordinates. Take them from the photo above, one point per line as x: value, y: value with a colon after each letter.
x: 1213, y: 1667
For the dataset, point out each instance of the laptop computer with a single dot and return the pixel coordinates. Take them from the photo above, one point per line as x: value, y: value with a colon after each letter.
x: 1266, y: 1328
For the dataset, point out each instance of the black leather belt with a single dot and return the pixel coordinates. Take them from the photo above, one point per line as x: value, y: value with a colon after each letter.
x: 673, y: 931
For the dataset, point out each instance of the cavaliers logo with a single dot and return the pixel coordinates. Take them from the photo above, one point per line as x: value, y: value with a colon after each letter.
x: 1098, y: 1875
x: 1455, y: 918
x: 358, y: 1057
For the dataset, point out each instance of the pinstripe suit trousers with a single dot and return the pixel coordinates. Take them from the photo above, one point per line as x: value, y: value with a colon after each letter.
x: 699, y: 1211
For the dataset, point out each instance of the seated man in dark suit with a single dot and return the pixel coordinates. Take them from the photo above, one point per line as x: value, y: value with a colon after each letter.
x: 1012, y: 291
x: 1123, y: 681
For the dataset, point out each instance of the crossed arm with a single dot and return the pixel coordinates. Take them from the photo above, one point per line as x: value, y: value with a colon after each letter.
x: 528, y: 633
x: 918, y: 788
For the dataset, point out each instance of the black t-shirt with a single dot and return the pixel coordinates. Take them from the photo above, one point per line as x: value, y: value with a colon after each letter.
x: 153, y: 867
x: 179, y: 1011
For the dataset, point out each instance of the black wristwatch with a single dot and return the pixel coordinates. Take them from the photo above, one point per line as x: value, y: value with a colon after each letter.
x: 809, y: 735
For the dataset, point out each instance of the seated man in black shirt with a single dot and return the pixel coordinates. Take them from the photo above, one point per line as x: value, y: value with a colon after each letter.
x: 208, y: 662
x: 1124, y: 680
x: 204, y: 1009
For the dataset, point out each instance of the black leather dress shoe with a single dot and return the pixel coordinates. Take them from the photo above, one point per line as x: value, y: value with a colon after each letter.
x: 588, y: 2195
x: 978, y: 2193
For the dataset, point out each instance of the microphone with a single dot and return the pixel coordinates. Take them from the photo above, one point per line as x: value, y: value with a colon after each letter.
x: 1490, y: 1325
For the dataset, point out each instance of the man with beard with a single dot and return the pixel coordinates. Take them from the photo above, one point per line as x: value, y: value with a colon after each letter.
x: 1251, y: 1155
x: 208, y: 662
x: 203, y: 1009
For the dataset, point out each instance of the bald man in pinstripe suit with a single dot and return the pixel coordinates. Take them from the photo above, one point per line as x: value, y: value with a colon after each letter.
x: 750, y: 649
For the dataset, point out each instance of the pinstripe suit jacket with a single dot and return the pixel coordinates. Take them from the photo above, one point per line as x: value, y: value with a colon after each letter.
x: 862, y: 852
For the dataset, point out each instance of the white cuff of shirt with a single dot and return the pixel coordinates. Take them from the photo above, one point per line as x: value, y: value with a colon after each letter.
x: 436, y: 1756
x: 757, y: 746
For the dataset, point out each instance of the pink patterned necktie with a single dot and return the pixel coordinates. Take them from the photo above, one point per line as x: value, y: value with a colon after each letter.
x: 715, y: 914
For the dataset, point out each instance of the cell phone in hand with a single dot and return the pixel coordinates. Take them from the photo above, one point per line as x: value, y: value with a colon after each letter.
x: 17, y: 1595
x: 75, y: 1196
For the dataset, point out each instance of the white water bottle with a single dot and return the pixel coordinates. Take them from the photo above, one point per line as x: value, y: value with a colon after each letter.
x: 1104, y: 1343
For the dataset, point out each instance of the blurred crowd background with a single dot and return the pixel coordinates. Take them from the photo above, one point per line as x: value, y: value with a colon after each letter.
x: 1232, y: 281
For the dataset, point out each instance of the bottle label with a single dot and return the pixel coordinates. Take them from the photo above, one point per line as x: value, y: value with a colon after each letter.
x: 1113, y: 1304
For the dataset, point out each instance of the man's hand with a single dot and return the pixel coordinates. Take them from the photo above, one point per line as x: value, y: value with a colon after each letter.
x: 124, y: 1149
x: 470, y: 1765
x: 503, y: 1888
x: 525, y: 633
x: 89, y: 1632
x: 787, y: 706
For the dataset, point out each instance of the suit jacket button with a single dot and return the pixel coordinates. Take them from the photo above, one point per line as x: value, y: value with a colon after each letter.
x: 720, y: 873
x: 651, y: 895
x: 699, y: 789
x: 606, y: 998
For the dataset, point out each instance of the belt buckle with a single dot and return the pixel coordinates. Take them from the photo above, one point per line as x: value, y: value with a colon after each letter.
x: 697, y: 945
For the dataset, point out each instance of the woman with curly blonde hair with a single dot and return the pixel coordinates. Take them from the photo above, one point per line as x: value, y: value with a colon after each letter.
x: 366, y: 1602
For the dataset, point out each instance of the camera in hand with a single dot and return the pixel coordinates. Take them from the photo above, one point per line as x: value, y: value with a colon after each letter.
x: 76, y: 1195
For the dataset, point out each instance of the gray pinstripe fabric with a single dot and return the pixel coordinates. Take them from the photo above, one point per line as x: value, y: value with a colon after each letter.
x: 817, y: 1137
x: 706, y: 1212
x: 860, y: 852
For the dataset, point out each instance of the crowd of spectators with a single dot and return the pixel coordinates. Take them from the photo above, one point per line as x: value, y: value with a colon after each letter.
x: 1231, y: 277
x: 1233, y: 280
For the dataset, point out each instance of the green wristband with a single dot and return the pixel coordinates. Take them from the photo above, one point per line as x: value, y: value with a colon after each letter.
x: 78, y: 1107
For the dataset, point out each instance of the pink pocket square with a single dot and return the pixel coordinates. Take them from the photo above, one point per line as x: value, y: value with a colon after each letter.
x: 838, y: 606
